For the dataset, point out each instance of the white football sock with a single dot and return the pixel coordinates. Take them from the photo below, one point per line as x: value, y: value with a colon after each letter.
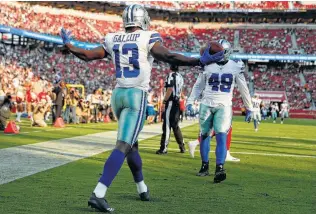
x: 195, y: 143
x: 18, y: 115
x: 228, y: 153
x: 100, y: 190
x: 141, y: 187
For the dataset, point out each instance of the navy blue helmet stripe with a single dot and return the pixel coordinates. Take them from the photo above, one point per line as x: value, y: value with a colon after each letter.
x: 132, y: 19
x: 128, y: 13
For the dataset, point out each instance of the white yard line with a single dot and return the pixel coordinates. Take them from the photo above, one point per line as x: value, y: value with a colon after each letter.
x: 21, y: 161
x: 243, y: 153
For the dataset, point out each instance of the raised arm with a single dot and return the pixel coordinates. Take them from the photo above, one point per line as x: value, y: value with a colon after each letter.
x: 161, y: 53
x: 87, y: 55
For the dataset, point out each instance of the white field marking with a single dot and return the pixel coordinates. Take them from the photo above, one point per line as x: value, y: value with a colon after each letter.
x: 21, y: 161
x: 244, y: 153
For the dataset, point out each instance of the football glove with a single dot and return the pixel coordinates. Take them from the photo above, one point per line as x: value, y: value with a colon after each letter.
x: 65, y: 35
x: 207, y: 58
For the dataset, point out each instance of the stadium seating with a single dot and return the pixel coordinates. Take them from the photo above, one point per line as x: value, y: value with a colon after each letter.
x: 311, y: 83
x: 306, y: 40
x: 203, y: 5
x: 299, y: 5
x: 274, y: 5
x: 280, y: 79
x: 268, y: 41
x: 276, y: 41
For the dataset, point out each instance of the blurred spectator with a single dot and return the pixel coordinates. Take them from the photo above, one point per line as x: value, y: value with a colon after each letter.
x: 59, y: 90
x: 5, y: 111
x: 39, y: 113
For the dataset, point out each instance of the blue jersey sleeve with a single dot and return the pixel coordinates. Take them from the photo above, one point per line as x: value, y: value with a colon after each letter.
x: 155, y: 37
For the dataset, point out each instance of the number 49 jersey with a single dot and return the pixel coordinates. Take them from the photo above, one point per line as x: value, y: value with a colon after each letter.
x: 217, y: 84
x: 131, y: 57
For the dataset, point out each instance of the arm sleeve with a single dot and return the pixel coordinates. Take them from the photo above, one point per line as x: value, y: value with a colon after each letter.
x: 153, y: 38
x: 197, y: 89
x: 244, y: 91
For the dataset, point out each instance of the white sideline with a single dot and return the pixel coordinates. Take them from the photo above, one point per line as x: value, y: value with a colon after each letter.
x: 21, y: 161
x: 243, y: 153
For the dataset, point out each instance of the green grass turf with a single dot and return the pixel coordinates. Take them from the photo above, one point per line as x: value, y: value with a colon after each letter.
x: 29, y: 135
x: 257, y: 184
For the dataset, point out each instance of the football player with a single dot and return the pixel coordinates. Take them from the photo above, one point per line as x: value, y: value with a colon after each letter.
x: 284, y: 111
x: 193, y: 144
x: 133, y: 52
x: 256, y: 114
x: 274, y: 110
x: 217, y: 83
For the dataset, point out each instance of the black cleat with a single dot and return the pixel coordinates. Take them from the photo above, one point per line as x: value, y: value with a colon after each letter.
x: 182, y: 148
x: 144, y: 196
x: 160, y: 152
x: 220, y: 174
x: 204, y: 170
x: 100, y: 204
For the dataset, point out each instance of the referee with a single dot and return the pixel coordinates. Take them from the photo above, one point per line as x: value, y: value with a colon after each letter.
x: 171, y: 108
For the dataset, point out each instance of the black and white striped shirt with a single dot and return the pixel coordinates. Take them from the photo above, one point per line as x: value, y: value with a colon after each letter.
x: 174, y: 80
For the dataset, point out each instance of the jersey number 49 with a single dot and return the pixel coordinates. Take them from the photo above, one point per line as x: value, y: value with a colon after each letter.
x: 222, y: 82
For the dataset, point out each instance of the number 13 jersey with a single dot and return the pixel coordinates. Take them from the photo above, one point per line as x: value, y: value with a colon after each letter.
x: 131, y: 57
x: 217, y: 84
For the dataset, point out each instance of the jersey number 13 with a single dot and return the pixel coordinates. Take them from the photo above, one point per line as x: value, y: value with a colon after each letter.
x: 130, y: 49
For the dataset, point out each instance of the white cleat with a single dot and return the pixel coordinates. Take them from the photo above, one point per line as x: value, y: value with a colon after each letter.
x: 192, y: 145
x: 256, y: 130
x: 232, y: 159
x: 281, y: 122
x: 273, y: 121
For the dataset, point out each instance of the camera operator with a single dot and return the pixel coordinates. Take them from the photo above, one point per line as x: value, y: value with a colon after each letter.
x: 39, y: 112
x: 5, y: 110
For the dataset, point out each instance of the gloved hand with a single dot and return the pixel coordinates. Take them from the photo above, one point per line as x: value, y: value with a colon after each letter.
x: 207, y: 58
x: 65, y: 35
x: 248, y: 116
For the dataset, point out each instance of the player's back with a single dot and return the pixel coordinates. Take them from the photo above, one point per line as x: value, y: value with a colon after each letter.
x: 220, y: 82
x: 256, y: 104
x: 284, y: 107
x: 131, y: 57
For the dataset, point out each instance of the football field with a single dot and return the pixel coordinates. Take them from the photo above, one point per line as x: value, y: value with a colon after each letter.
x: 277, y: 172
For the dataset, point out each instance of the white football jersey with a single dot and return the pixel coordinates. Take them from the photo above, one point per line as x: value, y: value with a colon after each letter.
x: 274, y: 108
x: 284, y: 107
x: 217, y: 84
x: 131, y: 57
x: 256, y: 104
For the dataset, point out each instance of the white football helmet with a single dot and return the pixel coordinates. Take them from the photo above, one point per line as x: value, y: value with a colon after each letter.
x: 227, y: 48
x: 136, y: 15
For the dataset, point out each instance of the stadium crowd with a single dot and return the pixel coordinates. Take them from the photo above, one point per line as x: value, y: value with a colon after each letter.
x: 29, y: 72
x: 276, y: 41
x: 265, y: 5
